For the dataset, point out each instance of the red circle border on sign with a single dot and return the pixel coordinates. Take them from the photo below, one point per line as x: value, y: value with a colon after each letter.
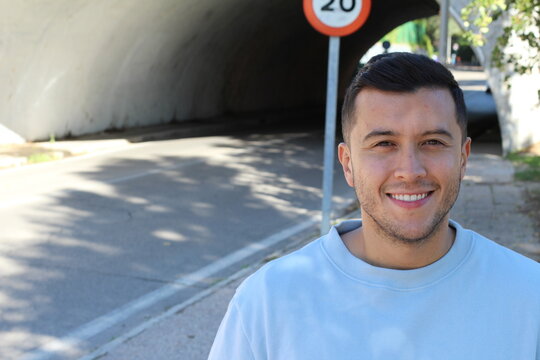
x: 336, y: 31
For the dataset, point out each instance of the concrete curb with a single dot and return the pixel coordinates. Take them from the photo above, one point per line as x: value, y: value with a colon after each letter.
x: 17, y: 154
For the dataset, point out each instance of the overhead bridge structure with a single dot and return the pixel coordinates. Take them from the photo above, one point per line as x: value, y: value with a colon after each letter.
x: 72, y: 67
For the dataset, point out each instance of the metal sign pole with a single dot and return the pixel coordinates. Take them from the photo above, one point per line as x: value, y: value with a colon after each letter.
x: 330, y: 132
x: 334, y: 21
x: 443, y: 31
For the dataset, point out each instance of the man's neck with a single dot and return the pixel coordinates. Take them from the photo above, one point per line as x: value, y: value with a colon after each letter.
x: 379, y: 250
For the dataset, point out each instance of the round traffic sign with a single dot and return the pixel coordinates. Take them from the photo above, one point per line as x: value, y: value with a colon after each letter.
x: 337, y: 17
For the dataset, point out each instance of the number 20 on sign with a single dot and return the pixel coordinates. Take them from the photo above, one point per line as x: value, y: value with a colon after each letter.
x: 337, y: 17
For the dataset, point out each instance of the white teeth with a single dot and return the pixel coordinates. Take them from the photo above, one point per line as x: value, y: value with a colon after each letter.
x: 406, y: 197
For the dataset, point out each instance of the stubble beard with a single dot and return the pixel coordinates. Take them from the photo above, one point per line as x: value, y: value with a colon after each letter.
x: 392, y: 231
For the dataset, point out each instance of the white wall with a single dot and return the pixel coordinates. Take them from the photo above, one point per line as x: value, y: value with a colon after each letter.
x: 518, y: 107
x: 79, y: 66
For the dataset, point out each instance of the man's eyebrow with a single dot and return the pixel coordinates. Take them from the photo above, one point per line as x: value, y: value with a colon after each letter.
x: 376, y: 133
x: 438, y: 132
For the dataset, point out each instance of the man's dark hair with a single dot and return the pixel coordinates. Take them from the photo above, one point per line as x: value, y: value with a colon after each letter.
x: 402, y: 72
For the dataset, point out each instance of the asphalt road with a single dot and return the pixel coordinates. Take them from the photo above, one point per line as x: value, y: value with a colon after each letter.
x: 90, y: 247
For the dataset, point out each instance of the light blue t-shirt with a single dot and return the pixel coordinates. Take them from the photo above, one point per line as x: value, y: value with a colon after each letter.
x: 479, y: 301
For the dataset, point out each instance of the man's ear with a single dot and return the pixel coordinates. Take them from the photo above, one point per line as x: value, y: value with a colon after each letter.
x: 465, y: 152
x: 344, y: 155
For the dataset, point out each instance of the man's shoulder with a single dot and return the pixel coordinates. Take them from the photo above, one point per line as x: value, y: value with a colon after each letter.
x: 499, y: 252
x: 506, y: 263
x: 280, y: 273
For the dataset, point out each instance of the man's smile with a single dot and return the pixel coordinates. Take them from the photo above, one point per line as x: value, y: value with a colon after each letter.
x: 409, y: 197
x: 411, y: 200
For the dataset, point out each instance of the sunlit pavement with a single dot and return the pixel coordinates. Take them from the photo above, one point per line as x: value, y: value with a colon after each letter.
x: 93, y: 246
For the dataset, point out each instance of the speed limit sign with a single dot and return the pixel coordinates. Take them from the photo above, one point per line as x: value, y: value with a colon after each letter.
x: 334, y: 18
x: 337, y: 17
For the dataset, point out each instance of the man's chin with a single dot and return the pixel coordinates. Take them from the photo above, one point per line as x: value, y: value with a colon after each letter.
x: 410, y: 235
x: 407, y: 230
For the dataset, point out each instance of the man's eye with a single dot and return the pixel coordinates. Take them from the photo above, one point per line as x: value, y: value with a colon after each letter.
x: 433, y: 142
x: 384, y: 143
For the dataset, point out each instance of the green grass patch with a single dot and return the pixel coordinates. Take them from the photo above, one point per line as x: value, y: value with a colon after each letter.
x: 42, y: 157
x: 527, y: 166
x: 532, y: 206
x: 270, y: 258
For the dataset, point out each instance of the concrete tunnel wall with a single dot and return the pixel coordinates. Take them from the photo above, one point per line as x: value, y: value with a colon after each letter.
x: 72, y: 67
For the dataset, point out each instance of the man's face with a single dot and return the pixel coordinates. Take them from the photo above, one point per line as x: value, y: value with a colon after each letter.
x: 405, y: 159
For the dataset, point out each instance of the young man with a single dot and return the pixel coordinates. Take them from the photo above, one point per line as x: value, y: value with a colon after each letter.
x: 405, y: 282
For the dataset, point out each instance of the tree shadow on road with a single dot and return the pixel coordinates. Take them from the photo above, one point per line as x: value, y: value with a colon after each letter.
x: 103, y: 247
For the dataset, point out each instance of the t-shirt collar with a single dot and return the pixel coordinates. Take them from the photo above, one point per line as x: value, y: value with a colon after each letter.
x: 412, y: 279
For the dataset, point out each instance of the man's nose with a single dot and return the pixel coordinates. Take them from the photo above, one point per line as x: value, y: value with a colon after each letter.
x: 410, y: 166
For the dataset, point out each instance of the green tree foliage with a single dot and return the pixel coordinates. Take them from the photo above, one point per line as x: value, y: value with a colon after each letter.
x: 521, y: 30
x: 412, y: 33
